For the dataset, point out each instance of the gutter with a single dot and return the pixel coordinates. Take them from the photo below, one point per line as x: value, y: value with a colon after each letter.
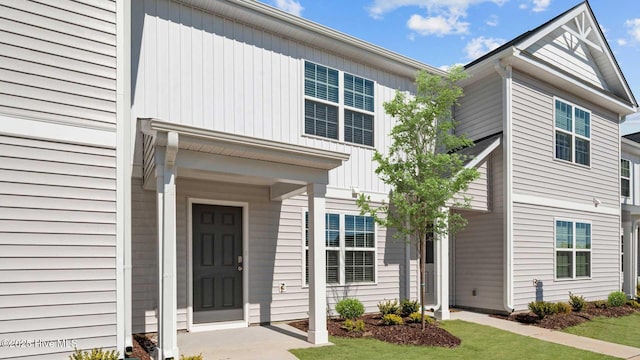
x: 506, y: 73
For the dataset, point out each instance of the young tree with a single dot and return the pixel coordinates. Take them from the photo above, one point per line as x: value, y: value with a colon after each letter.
x: 422, y: 167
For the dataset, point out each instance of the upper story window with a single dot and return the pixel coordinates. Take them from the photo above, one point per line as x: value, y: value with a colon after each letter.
x: 572, y: 133
x: 325, y: 110
x: 625, y: 178
x: 573, y: 249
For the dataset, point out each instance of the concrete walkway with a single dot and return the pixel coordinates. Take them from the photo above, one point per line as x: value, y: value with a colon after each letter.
x: 255, y: 342
x: 558, y: 337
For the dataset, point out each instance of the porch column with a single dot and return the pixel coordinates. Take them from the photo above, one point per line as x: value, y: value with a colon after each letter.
x: 443, y: 276
x: 317, y: 261
x: 630, y: 250
x: 167, y: 287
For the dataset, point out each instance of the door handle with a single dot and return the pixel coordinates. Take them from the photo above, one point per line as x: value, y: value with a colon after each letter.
x: 239, y: 267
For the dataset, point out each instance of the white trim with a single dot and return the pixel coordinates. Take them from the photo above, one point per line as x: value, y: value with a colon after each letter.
x: 571, y: 133
x: 630, y: 177
x: 573, y: 250
x: 564, y: 204
x: 342, y: 193
x: 480, y: 157
x: 59, y: 131
x: 245, y: 264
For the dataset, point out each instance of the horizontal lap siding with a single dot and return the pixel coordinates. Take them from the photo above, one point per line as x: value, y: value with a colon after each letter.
x: 478, y: 250
x: 479, y: 190
x: 57, y: 245
x: 58, y: 61
x: 536, y: 172
x: 534, y: 253
x: 207, y: 71
x: 479, y: 113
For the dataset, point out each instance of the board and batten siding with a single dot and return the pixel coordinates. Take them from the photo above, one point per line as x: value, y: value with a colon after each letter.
x: 57, y: 245
x: 535, y: 170
x: 478, y: 250
x: 207, y: 71
x: 534, y: 255
x: 479, y: 113
x: 276, y: 240
x: 58, y: 61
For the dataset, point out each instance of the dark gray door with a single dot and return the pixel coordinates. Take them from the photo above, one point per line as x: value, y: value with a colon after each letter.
x: 217, y: 263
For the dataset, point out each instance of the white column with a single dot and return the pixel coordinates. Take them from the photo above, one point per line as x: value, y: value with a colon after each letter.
x: 317, y: 261
x: 630, y: 249
x: 442, y: 264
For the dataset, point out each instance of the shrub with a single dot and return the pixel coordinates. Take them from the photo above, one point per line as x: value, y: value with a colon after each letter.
x: 542, y: 308
x: 634, y: 304
x: 389, y: 307
x: 416, y: 317
x: 617, y: 298
x: 578, y: 303
x: 192, y: 357
x: 638, y: 290
x: 391, y: 319
x: 354, y: 326
x: 562, y: 308
x: 350, y: 308
x: 601, y: 304
x: 409, y: 306
x: 95, y: 354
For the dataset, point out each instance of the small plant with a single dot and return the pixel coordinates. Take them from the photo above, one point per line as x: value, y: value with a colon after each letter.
x: 95, y: 354
x: 638, y: 290
x: 389, y: 307
x: 600, y: 304
x: 617, y: 298
x: 192, y: 357
x: 353, y: 326
x: 634, y: 304
x: 350, y: 308
x: 578, y: 303
x: 542, y: 308
x: 416, y: 317
x: 409, y: 306
x: 392, y: 319
x: 562, y: 308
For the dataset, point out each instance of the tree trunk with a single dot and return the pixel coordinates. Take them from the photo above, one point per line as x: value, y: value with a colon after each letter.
x: 423, y: 257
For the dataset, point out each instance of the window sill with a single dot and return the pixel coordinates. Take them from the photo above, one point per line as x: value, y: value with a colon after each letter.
x: 335, y: 141
x: 573, y: 279
x: 358, y: 284
x: 587, y: 167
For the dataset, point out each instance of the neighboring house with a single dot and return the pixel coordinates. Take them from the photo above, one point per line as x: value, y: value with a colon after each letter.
x: 193, y: 165
x: 630, y: 199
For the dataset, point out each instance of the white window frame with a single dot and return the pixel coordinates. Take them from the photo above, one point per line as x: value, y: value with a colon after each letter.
x: 627, y: 178
x: 572, y: 250
x: 342, y: 251
x: 572, y: 133
x: 340, y: 105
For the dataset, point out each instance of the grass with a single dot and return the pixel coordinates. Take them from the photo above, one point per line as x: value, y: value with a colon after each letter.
x: 623, y: 330
x: 478, y: 342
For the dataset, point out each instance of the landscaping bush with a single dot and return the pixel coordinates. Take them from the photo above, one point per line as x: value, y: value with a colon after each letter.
x: 350, y: 308
x: 192, y: 357
x: 354, y: 326
x: 562, y: 308
x: 392, y: 319
x: 409, y: 306
x: 634, y: 304
x: 95, y: 354
x: 578, y: 303
x: 600, y: 304
x: 542, y: 308
x: 389, y: 307
x: 416, y: 317
x: 617, y: 298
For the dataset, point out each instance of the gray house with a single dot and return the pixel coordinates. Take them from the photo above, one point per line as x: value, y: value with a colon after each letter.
x: 192, y: 165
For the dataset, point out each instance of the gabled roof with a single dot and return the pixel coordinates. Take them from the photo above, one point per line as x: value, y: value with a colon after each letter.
x: 635, y: 137
x: 571, y: 36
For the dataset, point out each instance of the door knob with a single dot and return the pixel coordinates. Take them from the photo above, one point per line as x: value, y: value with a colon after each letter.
x: 239, y: 267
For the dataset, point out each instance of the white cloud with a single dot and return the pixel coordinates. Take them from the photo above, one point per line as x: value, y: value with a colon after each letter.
x: 291, y: 6
x: 492, y: 20
x: 448, y: 67
x: 381, y: 7
x: 437, y: 25
x: 634, y: 28
x: 540, y: 5
x: 621, y: 42
x: 480, y: 46
x: 523, y: 6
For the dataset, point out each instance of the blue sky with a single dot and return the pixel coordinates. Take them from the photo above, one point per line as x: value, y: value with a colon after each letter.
x: 446, y: 32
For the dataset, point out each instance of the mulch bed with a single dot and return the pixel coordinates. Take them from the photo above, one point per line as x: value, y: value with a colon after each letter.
x: 142, y: 347
x: 561, y: 321
x: 406, y: 334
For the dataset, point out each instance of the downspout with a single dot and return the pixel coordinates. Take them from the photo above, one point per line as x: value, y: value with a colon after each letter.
x: 506, y: 72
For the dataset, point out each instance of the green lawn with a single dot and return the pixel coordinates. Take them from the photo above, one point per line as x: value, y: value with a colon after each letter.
x: 623, y: 330
x: 478, y: 342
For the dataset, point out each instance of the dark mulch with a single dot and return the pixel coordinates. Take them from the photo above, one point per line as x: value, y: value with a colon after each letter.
x: 406, y: 334
x: 561, y: 321
x: 142, y: 347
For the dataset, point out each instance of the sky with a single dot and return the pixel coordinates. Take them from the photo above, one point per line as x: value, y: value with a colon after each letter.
x: 442, y: 33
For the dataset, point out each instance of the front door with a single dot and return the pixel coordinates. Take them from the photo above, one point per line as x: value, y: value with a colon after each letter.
x: 429, y: 272
x: 217, y: 263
